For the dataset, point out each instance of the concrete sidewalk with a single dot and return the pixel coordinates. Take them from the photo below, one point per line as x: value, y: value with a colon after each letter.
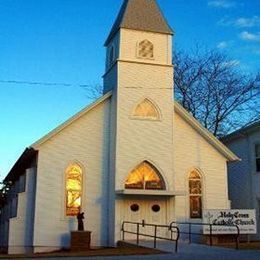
x: 198, y: 251
x: 185, y: 251
x: 193, y: 251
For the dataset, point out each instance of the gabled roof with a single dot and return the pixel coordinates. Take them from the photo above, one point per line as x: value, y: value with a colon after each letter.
x: 71, y: 120
x: 143, y: 15
x: 204, y: 132
x: 30, y: 153
x: 242, y: 132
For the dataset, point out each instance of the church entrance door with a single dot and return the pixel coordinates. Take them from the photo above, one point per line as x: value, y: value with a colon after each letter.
x: 152, y: 211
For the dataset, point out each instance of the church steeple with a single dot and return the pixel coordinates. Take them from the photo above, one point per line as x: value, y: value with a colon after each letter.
x: 140, y: 35
x: 143, y: 15
x: 139, y: 73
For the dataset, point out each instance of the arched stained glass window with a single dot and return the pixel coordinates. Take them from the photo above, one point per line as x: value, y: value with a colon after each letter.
x: 73, y: 189
x: 145, y: 49
x: 146, y: 109
x: 195, y: 193
x: 145, y: 176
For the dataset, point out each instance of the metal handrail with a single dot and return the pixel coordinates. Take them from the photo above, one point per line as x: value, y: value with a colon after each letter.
x: 210, y: 230
x: 171, y: 228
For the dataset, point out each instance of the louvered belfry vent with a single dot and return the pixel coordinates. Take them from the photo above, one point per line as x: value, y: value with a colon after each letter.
x: 146, y: 50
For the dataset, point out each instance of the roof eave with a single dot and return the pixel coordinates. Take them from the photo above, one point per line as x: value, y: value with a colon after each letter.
x: 58, y: 129
x: 120, y: 23
x: 109, y: 39
x: 240, y: 133
x: 21, y: 164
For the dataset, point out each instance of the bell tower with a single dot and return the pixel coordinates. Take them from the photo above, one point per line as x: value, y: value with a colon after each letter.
x: 140, y: 34
x: 139, y: 71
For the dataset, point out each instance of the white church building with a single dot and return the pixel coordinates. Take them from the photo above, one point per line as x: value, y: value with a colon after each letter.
x: 133, y: 155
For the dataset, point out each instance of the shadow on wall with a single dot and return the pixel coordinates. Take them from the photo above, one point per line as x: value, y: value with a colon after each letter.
x: 65, y: 237
x: 106, y: 182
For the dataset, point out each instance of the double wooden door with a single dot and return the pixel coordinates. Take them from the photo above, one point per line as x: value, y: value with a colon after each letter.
x: 150, y: 211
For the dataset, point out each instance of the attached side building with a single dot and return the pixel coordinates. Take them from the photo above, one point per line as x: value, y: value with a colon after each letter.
x: 244, y: 176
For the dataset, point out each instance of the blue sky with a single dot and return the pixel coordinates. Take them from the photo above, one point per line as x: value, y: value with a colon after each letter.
x: 61, y: 41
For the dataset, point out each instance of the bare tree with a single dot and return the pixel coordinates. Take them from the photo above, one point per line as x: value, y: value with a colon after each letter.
x: 5, y: 187
x: 93, y: 92
x: 213, y: 89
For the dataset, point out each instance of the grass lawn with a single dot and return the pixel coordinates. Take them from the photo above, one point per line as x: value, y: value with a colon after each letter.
x: 117, y: 251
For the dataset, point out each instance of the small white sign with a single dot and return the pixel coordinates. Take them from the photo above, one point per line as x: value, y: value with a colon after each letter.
x: 223, y: 220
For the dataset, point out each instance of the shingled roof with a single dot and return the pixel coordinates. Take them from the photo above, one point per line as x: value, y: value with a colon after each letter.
x: 144, y: 15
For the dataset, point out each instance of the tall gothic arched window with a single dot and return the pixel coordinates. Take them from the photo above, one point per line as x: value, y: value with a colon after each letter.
x: 145, y: 176
x: 146, y: 110
x: 73, y: 190
x: 195, y: 194
x: 145, y: 50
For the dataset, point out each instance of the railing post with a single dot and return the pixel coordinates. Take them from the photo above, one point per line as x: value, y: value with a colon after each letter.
x: 210, y: 234
x: 177, y: 239
x: 123, y: 230
x: 137, y: 234
x: 190, y: 233
x: 237, y: 238
x: 155, y: 236
x: 170, y: 228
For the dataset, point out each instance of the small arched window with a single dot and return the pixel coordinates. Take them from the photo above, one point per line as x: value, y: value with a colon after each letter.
x: 195, y: 194
x: 111, y: 55
x: 145, y: 176
x: 73, y: 190
x: 145, y: 50
x: 146, y: 109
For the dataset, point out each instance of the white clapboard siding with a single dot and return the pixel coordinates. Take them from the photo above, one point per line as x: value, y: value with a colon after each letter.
x: 192, y: 151
x: 84, y: 141
x: 21, y: 227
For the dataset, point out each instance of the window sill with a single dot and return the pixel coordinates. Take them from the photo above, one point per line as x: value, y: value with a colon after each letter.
x: 145, y: 118
x: 146, y: 192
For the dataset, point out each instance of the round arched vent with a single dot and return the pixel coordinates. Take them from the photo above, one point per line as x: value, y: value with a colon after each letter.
x: 156, y: 208
x: 134, y: 207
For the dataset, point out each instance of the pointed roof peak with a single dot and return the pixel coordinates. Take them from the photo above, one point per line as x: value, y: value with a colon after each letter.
x: 143, y: 15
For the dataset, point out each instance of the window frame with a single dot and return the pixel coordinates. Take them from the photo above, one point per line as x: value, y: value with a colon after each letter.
x: 146, y: 118
x: 138, y: 49
x: 14, y: 206
x: 258, y: 207
x: 256, y: 158
x: 111, y: 55
x: 145, y: 184
x: 195, y: 195
x: 65, y: 191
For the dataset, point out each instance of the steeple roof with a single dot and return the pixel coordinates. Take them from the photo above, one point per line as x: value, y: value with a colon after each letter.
x: 143, y: 15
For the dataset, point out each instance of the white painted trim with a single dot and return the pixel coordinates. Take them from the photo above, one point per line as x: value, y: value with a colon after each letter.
x: 137, y: 50
x: 252, y: 156
x: 205, y: 133
x: 63, y: 216
x: 162, y: 175
x: 203, y: 192
x: 81, y: 113
x: 157, y: 108
x: 146, y: 192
